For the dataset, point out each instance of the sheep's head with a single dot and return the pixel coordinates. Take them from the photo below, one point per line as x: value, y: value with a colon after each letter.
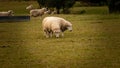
x: 69, y: 26
x: 11, y: 13
x: 30, y: 7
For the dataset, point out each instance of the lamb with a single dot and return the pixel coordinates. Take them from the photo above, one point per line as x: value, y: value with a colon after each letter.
x: 37, y: 12
x: 56, y: 26
x: 51, y: 12
x: 30, y: 7
x: 8, y: 13
x: 47, y: 12
x: 54, y: 12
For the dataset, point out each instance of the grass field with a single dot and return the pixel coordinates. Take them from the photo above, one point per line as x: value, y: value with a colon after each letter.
x: 94, y: 43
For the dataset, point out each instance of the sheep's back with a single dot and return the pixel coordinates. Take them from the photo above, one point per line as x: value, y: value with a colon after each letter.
x: 3, y: 13
x: 51, y: 23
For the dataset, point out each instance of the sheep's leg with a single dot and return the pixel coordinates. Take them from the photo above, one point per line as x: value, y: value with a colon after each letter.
x: 46, y: 33
x: 57, y: 35
x: 62, y: 34
x: 51, y: 34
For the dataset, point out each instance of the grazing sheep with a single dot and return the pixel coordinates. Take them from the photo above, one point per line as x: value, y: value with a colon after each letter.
x: 55, y: 25
x: 30, y: 7
x: 37, y: 12
x: 47, y: 12
x: 8, y: 13
x: 54, y: 12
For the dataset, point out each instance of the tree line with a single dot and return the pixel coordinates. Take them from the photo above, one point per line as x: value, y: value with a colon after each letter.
x: 113, y: 5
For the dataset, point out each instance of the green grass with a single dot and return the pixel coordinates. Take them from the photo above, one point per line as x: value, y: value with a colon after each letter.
x: 19, y: 7
x: 94, y: 43
x: 90, y: 10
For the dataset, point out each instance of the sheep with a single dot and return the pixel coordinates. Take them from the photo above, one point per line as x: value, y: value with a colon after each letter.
x: 47, y: 12
x: 30, y: 7
x: 8, y: 13
x: 55, y: 25
x: 54, y: 12
x: 37, y: 12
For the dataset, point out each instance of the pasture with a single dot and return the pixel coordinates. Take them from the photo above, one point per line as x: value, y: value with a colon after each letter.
x: 93, y: 43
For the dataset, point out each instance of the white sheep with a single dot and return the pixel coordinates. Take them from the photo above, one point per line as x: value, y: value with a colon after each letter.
x: 30, y: 7
x: 55, y: 25
x: 8, y: 13
x: 54, y: 12
x: 47, y: 12
x: 37, y: 12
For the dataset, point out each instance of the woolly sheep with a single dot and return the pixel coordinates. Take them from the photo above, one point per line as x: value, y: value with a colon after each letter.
x: 47, y: 12
x: 8, y: 13
x: 55, y: 25
x: 30, y: 7
x: 37, y: 12
x: 54, y: 12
